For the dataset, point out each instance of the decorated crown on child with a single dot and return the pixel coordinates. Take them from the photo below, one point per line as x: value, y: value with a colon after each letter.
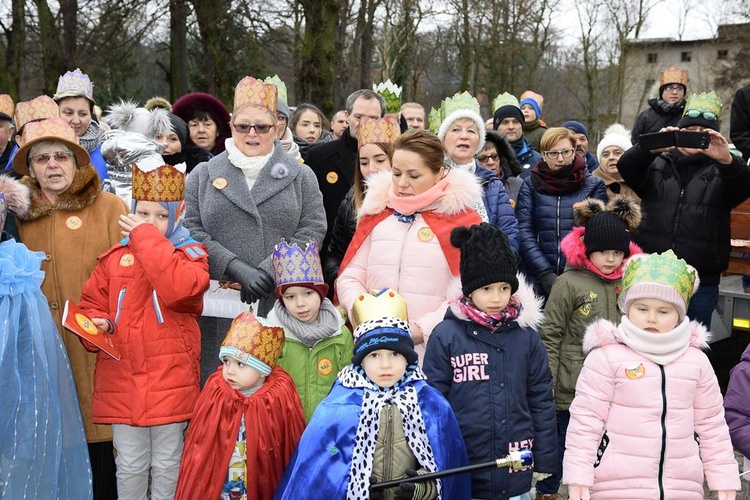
x: 293, y: 265
x: 662, y: 269
x: 250, y: 341
x: 384, y: 303
x: 673, y: 74
x: 158, y: 182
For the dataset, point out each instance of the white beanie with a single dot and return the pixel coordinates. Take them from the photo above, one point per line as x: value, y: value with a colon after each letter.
x: 457, y: 115
x: 615, y: 135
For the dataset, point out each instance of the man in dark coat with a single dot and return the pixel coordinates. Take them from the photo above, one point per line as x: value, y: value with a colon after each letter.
x: 739, y: 125
x: 666, y: 109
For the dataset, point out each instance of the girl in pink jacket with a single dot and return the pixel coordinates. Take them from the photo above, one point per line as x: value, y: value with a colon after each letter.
x: 647, y: 420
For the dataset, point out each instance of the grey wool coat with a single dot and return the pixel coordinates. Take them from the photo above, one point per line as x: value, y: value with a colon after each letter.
x: 233, y: 221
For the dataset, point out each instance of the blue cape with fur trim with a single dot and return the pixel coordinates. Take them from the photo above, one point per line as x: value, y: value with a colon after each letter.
x: 320, y: 467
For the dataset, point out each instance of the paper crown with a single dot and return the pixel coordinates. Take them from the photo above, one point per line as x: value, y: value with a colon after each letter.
x: 384, y: 303
x: 3, y: 212
x: 391, y: 94
x: 55, y: 129
x: 504, y: 99
x: 292, y: 265
x: 435, y: 119
x: 458, y: 102
x: 252, y: 91
x: 38, y: 108
x: 662, y: 269
x: 248, y: 338
x: 707, y: 103
x: 280, y: 85
x: 162, y: 183
x: 6, y: 106
x: 673, y: 74
x: 74, y: 84
x: 386, y: 129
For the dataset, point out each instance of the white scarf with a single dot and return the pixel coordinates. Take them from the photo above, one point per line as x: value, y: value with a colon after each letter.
x: 472, y: 168
x: 291, y: 147
x: 374, y: 398
x: 661, y: 348
x: 249, y: 165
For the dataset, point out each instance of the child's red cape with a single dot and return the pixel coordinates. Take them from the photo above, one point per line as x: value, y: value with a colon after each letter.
x: 274, y: 422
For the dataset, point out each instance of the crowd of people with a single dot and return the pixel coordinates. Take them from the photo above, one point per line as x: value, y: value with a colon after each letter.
x: 426, y: 291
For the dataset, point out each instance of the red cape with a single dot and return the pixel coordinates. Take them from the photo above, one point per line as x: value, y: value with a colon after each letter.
x: 274, y: 421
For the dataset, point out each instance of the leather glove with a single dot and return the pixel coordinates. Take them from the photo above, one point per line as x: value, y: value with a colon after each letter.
x: 410, y: 491
x: 547, y: 279
x: 256, y: 283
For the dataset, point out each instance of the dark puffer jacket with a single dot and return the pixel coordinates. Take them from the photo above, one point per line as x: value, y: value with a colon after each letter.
x: 653, y: 118
x: 686, y: 203
x: 342, y: 233
x: 497, y: 203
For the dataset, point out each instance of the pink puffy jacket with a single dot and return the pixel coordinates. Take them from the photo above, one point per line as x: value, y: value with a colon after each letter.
x: 638, y: 428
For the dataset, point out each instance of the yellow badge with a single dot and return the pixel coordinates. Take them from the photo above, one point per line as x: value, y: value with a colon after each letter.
x: 635, y: 372
x: 425, y: 234
x: 325, y: 366
x: 86, y: 324
x: 219, y: 183
x: 127, y: 260
x: 73, y: 222
x: 332, y: 177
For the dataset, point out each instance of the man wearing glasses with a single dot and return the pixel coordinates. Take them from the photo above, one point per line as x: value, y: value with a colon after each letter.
x: 666, y: 109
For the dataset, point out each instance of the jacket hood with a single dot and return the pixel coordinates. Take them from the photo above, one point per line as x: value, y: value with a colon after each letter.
x: 510, y: 163
x: 81, y: 193
x: 574, y: 249
x: 463, y: 193
x: 530, y: 316
x: 603, y: 332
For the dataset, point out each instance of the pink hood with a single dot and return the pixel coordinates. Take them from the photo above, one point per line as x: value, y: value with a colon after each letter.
x: 574, y: 249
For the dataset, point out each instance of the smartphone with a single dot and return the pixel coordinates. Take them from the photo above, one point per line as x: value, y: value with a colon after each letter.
x: 692, y: 139
x: 656, y: 140
x: 679, y: 138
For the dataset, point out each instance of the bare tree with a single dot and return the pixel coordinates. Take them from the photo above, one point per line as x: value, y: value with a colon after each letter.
x: 11, y: 57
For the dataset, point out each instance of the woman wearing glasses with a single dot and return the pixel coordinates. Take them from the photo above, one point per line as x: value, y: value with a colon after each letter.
x: 498, y: 156
x: 545, y: 205
x: 665, y: 109
x: 242, y: 202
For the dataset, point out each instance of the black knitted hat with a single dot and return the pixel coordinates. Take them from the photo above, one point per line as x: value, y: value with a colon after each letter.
x: 486, y: 257
x: 607, y: 231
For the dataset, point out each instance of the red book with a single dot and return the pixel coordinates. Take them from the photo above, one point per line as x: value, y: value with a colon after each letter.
x: 77, y: 322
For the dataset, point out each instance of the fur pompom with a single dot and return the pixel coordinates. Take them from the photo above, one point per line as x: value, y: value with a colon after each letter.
x: 158, y: 123
x: 17, y: 196
x: 585, y: 209
x: 626, y: 209
x: 460, y: 235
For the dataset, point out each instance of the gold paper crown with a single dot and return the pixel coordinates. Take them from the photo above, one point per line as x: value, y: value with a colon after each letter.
x: 391, y: 94
x: 250, y: 337
x: 708, y: 103
x: 673, y: 74
x: 38, y: 108
x: 293, y: 265
x: 252, y: 91
x: 162, y: 184
x: 504, y: 99
x: 280, y: 85
x: 435, y: 119
x: 378, y: 304
x: 6, y: 105
x: 74, y: 84
x: 663, y: 269
x: 458, y: 102
x: 386, y: 129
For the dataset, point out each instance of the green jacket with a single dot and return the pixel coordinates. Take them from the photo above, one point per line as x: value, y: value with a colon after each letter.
x: 314, y: 369
x: 577, y: 299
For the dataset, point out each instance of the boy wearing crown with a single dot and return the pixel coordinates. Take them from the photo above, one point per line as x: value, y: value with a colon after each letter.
x: 147, y: 293
x: 317, y: 343
x: 247, y: 422
x: 380, y: 422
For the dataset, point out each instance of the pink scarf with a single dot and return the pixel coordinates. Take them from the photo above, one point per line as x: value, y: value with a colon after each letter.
x: 616, y: 274
x: 490, y: 321
x: 409, y: 205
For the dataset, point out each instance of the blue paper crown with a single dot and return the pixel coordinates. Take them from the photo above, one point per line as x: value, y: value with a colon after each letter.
x: 292, y: 265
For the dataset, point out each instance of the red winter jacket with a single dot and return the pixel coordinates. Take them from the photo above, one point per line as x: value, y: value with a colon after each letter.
x: 152, y: 292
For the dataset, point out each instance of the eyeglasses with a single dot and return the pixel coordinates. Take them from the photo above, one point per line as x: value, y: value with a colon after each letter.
x: 487, y: 158
x: 260, y: 128
x: 695, y: 113
x: 43, y: 158
x: 565, y: 153
x: 674, y: 88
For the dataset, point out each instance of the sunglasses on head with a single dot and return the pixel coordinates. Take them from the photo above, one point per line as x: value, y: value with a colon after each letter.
x: 695, y: 113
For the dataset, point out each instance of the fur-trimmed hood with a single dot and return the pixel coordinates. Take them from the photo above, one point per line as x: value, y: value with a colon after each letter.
x: 17, y: 196
x: 464, y: 191
x: 508, y: 158
x: 530, y: 316
x: 81, y: 193
x: 574, y: 249
x: 603, y: 332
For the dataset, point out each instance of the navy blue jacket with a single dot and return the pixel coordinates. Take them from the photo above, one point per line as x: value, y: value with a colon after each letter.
x: 500, y: 386
x: 497, y: 203
x: 545, y: 219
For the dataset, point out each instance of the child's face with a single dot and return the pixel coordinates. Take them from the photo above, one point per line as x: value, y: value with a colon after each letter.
x: 240, y: 376
x: 153, y: 213
x: 302, y: 303
x: 493, y: 298
x: 607, y: 261
x: 384, y: 367
x: 653, y: 315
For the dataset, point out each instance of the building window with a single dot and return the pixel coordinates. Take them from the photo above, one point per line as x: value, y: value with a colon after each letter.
x: 652, y: 57
x: 722, y: 54
x: 686, y: 57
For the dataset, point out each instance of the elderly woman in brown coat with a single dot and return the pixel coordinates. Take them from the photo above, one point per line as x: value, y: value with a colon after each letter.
x: 72, y: 221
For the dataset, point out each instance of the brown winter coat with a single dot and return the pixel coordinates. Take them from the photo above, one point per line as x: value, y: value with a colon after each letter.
x: 72, y: 233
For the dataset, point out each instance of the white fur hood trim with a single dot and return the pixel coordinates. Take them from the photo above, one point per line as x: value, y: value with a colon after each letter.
x: 463, y: 193
x: 531, y: 315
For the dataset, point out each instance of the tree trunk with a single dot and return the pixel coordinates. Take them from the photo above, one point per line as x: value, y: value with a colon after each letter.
x: 69, y: 11
x: 177, y: 49
x: 319, y: 56
x: 53, y: 65
x: 211, y: 23
x: 10, y: 78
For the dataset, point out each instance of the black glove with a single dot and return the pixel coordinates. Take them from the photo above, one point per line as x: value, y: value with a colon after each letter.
x: 410, y: 491
x: 376, y: 495
x: 547, y: 279
x: 256, y: 283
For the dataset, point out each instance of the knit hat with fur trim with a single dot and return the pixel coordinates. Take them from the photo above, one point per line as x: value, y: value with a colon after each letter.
x: 486, y: 257
x: 383, y: 333
x: 608, y: 227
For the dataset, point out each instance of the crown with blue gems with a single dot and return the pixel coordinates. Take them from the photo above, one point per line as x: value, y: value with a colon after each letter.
x: 275, y: 80
x: 391, y: 94
x: 377, y: 304
x: 707, y: 103
x: 504, y: 99
x: 662, y: 269
x: 292, y: 265
x: 74, y: 84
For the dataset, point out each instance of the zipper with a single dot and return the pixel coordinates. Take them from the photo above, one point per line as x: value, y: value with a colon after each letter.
x: 677, y: 215
x: 403, y: 246
x: 157, y: 308
x: 120, y: 298
x: 388, y: 444
x: 663, y: 431
x: 557, y: 236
